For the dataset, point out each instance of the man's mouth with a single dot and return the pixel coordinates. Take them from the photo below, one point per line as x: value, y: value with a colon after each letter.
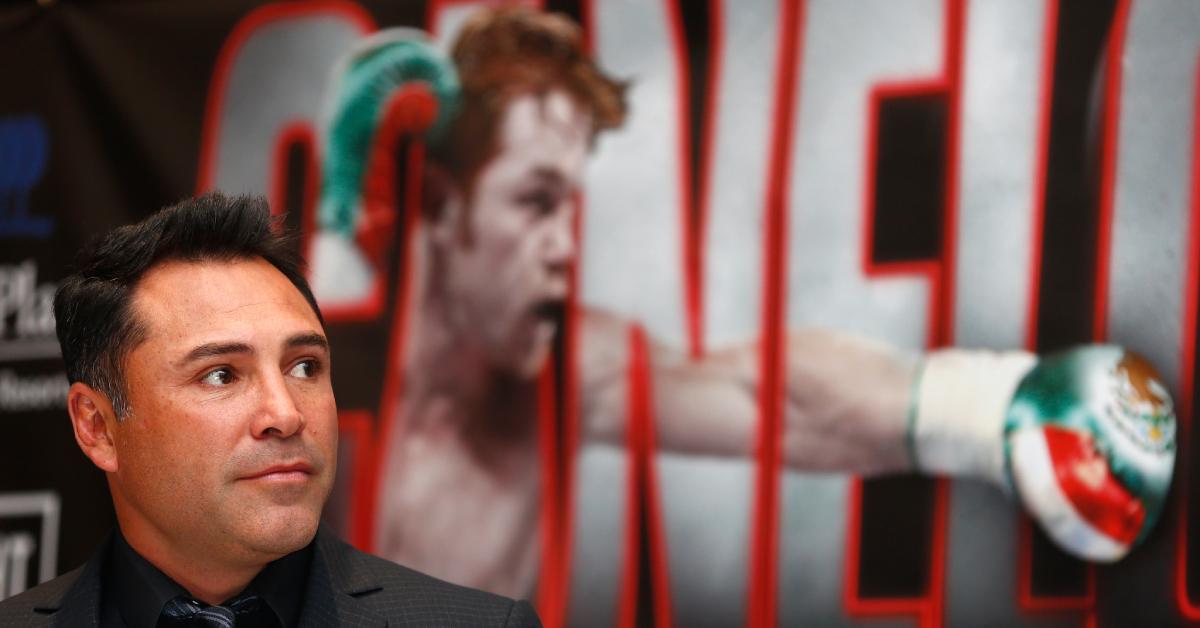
x: 289, y: 472
x: 550, y: 310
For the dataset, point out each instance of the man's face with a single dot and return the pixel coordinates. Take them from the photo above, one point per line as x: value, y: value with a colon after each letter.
x: 230, y: 446
x: 510, y: 251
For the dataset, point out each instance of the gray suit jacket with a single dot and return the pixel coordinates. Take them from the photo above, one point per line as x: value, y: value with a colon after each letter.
x: 345, y: 588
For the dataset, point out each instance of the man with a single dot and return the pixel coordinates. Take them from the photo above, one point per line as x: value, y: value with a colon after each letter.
x: 200, y: 385
x: 459, y: 492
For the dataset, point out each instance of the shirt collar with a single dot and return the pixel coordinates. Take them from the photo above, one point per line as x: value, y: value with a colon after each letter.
x: 141, y: 589
x: 281, y: 585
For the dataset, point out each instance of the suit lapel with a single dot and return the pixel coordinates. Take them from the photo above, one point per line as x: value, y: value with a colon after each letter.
x: 81, y: 605
x: 338, y: 583
x: 336, y: 586
x: 74, y: 598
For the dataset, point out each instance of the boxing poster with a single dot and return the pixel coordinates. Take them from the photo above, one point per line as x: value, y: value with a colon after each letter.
x: 578, y: 386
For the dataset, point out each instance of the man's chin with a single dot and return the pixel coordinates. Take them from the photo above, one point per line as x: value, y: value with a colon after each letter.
x: 532, y: 362
x: 278, y: 532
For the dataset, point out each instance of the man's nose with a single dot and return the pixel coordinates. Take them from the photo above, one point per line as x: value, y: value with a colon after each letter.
x: 559, y: 246
x: 278, y: 415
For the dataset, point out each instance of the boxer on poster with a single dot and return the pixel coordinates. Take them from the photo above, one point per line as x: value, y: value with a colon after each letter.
x: 1085, y: 438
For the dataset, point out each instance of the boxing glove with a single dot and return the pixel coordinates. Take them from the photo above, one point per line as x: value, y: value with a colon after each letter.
x: 391, y: 84
x: 393, y: 62
x: 1085, y: 438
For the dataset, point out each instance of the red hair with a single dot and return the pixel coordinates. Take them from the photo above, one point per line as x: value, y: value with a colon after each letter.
x: 508, y: 51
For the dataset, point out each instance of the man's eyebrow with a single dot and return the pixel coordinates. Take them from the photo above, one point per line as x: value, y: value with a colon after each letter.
x: 213, y: 349
x: 308, y: 340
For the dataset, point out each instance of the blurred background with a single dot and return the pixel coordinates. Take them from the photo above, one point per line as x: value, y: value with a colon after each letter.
x: 981, y: 173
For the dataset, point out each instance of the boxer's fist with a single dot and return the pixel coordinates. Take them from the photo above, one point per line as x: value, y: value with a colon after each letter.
x: 394, y: 73
x: 1090, y: 439
x: 390, y: 84
x: 1085, y: 437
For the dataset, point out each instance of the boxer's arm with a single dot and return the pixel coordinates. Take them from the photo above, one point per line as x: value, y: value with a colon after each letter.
x: 702, y: 407
x: 845, y: 398
x: 1086, y: 437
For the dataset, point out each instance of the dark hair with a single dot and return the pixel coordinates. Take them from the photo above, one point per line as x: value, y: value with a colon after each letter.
x: 95, y: 323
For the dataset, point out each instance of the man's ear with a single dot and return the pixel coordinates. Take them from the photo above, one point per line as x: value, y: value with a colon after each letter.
x: 93, y: 420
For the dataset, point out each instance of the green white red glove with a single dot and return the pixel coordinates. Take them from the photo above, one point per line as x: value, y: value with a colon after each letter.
x: 1086, y: 438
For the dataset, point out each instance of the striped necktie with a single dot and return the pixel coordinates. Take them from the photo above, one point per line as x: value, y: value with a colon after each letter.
x: 184, y: 611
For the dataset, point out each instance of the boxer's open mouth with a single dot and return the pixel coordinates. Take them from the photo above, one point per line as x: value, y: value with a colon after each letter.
x: 551, y: 310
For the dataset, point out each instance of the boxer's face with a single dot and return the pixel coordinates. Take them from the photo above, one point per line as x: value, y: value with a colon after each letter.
x: 509, y: 247
x: 230, y: 446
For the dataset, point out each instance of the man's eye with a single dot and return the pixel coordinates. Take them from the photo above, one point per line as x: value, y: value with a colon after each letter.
x: 304, y: 369
x: 218, y: 377
x: 540, y: 202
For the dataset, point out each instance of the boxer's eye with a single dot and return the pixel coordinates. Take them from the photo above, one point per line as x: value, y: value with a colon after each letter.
x: 218, y: 377
x: 540, y: 201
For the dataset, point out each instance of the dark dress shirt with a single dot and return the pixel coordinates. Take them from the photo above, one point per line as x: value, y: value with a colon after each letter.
x: 134, y: 591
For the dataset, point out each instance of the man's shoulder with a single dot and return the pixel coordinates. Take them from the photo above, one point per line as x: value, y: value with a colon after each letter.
x: 396, y: 591
x: 36, y: 607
